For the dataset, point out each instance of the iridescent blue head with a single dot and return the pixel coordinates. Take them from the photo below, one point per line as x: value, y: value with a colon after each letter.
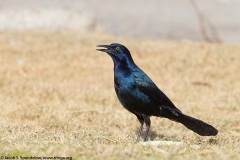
x: 117, y: 51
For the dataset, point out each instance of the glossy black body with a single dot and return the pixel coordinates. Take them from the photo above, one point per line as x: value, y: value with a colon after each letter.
x: 139, y: 95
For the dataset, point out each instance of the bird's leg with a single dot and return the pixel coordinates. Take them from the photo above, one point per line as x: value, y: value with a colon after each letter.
x: 139, y: 132
x: 141, y: 120
x: 148, y: 124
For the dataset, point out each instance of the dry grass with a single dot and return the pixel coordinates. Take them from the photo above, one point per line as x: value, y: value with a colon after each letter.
x: 57, y: 97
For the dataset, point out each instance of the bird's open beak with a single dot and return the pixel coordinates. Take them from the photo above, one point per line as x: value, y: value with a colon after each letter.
x: 107, y: 49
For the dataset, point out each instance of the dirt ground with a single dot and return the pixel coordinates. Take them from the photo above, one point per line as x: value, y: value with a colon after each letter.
x: 57, y: 97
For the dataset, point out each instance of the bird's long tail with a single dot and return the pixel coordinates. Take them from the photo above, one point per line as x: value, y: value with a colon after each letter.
x: 196, y: 125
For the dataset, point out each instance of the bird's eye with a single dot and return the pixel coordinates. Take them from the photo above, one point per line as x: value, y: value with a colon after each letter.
x: 117, y: 48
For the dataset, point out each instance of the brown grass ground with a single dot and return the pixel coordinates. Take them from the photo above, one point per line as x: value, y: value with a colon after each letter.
x: 57, y: 97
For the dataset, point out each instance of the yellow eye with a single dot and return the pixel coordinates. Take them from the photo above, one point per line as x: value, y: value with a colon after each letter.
x: 117, y: 48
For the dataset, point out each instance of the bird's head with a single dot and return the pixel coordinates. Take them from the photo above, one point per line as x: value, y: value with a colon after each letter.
x: 117, y: 51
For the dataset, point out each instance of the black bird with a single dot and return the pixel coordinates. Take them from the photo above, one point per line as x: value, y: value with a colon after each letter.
x: 139, y: 95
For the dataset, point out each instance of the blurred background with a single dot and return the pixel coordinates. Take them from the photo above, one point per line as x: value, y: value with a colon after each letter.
x: 196, y: 20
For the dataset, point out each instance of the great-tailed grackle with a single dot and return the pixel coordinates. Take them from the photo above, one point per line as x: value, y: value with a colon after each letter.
x: 139, y: 95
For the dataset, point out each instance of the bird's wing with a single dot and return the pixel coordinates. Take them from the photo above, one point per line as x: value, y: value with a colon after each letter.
x: 146, y: 86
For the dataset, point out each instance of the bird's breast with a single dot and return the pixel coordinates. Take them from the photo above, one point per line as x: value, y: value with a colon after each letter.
x: 130, y: 97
